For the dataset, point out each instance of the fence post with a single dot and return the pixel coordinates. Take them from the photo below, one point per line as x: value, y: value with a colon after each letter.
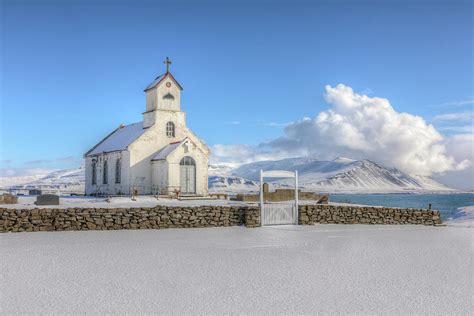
x: 261, y: 197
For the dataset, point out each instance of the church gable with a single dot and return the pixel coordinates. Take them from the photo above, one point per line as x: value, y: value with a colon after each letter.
x: 161, y: 79
x: 158, y: 80
x: 176, y: 150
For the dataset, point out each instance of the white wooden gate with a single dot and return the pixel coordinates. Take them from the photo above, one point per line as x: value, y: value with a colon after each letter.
x: 279, y: 213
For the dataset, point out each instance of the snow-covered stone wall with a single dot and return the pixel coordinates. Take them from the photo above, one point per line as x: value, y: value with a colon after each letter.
x: 159, y: 217
x: 50, y: 219
x: 339, y: 214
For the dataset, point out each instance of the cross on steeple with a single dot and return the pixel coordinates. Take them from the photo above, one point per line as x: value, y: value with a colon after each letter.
x: 168, y: 63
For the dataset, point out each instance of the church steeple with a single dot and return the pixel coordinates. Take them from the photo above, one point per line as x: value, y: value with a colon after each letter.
x: 163, y: 94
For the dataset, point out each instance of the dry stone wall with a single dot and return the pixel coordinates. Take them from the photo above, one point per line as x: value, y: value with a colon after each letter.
x: 50, y: 219
x: 335, y: 214
x: 159, y: 217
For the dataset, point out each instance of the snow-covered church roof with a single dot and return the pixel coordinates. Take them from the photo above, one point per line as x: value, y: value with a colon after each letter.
x: 165, y: 151
x: 118, y: 139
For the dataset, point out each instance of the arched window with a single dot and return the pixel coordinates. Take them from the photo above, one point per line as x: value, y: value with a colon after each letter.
x: 168, y: 96
x: 170, y: 129
x: 118, y: 170
x: 105, y: 175
x: 187, y: 161
x: 94, y: 172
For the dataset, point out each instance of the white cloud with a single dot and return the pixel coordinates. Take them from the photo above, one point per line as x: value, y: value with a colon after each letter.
x: 467, y: 116
x: 240, y: 153
x: 22, y: 172
x: 461, y: 146
x: 458, y: 129
x: 359, y: 127
x: 276, y: 124
x: 38, y: 166
x: 459, y: 103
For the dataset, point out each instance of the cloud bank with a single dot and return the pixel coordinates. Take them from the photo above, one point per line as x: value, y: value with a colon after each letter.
x: 359, y: 127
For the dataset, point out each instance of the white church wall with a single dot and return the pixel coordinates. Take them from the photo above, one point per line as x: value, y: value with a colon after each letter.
x: 159, y: 171
x: 111, y: 187
x: 154, y: 96
x: 154, y: 139
x: 151, y: 100
x: 173, y: 89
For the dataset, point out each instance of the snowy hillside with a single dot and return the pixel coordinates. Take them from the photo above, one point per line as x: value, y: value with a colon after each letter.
x: 231, y: 184
x: 222, y: 169
x: 13, y: 181
x: 342, y: 175
x: 71, y: 181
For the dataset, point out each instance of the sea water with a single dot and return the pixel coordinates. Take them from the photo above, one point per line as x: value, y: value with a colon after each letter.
x: 447, y: 204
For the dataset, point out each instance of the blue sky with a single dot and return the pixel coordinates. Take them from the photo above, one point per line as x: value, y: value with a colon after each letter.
x: 72, y: 71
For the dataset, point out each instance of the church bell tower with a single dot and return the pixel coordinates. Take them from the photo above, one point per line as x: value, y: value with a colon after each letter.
x: 163, y: 94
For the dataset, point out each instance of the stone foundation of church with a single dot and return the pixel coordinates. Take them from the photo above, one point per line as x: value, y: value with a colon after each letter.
x: 160, y: 217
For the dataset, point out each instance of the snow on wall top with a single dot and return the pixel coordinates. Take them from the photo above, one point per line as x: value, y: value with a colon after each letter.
x: 119, y: 139
x: 165, y: 151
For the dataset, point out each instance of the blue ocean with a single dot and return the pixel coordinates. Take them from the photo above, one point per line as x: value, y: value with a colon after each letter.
x: 447, y: 204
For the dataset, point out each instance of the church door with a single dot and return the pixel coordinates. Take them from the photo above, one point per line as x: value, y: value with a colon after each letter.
x: 188, y: 175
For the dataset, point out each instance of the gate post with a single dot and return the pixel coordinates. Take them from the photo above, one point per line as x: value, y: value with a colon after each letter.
x: 297, y: 211
x: 261, y: 197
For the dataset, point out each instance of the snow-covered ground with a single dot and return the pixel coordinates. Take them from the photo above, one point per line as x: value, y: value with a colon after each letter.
x: 327, y: 269
x: 27, y: 202
x: 464, y: 217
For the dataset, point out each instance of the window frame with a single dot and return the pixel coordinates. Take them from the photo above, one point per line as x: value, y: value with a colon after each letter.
x: 170, y: 129
x: 187, y: 161
x: 105, y: 173
x: 94, y: 172
x: 118, y: 170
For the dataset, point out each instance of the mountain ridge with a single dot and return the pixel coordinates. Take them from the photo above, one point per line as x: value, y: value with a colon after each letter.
x: 341, y: 175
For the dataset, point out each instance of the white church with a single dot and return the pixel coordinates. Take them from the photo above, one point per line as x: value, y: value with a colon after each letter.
x: 159, y: 155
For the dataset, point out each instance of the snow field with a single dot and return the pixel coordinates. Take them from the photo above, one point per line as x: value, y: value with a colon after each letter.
x: 287, y: 269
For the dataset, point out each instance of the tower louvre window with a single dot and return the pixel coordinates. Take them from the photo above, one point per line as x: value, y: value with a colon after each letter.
x: 170, y: 130
x: 168, y: 96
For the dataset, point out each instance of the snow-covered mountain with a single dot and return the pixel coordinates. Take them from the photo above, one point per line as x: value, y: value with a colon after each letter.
x: 231, y: 184
x: 338, y: 175
x: 70, y: 181
x: 341, y: 175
